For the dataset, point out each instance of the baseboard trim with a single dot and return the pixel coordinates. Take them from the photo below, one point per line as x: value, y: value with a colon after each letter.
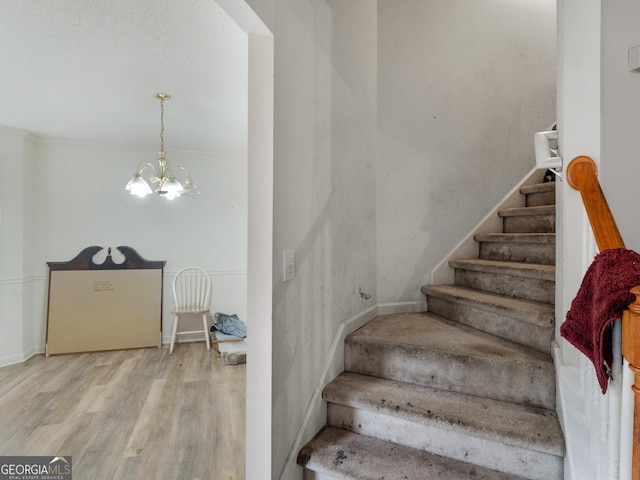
x: 345, y: 328
x: 19, y: 358
x: 468, y: 247
x: 402, y: 307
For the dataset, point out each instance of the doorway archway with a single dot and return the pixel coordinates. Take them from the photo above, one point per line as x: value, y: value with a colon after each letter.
x: 260, y: 236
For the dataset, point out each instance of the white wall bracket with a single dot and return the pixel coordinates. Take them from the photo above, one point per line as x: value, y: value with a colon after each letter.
x: 547, y: 157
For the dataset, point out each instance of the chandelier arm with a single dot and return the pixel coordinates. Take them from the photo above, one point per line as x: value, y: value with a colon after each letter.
x: 186, y: 171
x: 145, y: 165
x: 189, y: 188
x: 153, y: 178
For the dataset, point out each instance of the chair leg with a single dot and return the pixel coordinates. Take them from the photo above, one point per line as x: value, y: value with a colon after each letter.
x: 173, y: 334
x: 206, y: 331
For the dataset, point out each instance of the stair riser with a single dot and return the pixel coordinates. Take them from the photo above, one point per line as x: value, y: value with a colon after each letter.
x: 453, y: 444
x: 541, y: 198
x: 515, y: 286
x: 507, y: 380
x: 544, y: 254
x: 309, y: 475
x: 530, y: 335
x: 344, y: 455
x: 530, y: 224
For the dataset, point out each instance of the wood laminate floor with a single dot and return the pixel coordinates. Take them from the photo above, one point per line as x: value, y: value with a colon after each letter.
x: 128, y: 415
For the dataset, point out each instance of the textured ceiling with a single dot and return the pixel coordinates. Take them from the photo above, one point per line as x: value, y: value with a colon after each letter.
x: 88, y: 70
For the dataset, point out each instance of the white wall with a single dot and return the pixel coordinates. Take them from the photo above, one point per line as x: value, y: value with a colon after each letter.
x: 16, y: 233
x: 620, y: 155
x: 327, y: 102
x: 621, y: 117
x: 324, y: 199
x: 260, y: 276
x: 72, y: 196
x: 462, y: 88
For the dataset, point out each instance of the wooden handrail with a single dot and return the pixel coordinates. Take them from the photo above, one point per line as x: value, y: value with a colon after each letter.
x: 581, y: 175
x: 631, y: 351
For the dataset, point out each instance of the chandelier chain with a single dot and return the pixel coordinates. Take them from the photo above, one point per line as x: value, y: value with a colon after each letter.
x: 162, y: 124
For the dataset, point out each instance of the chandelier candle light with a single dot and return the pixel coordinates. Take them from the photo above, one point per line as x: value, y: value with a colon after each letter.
x: 168, y: 186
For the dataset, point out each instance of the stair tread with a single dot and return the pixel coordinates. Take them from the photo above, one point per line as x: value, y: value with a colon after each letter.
x: 507, y: 423
x: 524, y: 211
x: 427, y: 349
x: 538, y: 188
x: 516, y: 237
x: 529, y: 311
x: 426, y: 330
x: 343, y: 454
x: 529, y: 270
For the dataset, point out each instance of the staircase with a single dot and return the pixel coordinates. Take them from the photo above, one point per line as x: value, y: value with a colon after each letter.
x: 465, y: 390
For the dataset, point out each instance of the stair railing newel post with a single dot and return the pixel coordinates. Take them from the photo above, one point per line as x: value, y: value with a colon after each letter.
x: 631, y: 352
x: 581, y: 175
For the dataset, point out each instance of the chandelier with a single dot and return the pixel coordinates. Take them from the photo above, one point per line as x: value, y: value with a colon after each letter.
x: 168, y: 186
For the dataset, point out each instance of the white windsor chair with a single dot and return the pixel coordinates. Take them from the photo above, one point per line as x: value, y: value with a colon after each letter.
x: 191, y: 296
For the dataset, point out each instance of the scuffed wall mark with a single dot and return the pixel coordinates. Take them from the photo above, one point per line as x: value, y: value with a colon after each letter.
x: 364, y: 295
x: 340, y: 457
